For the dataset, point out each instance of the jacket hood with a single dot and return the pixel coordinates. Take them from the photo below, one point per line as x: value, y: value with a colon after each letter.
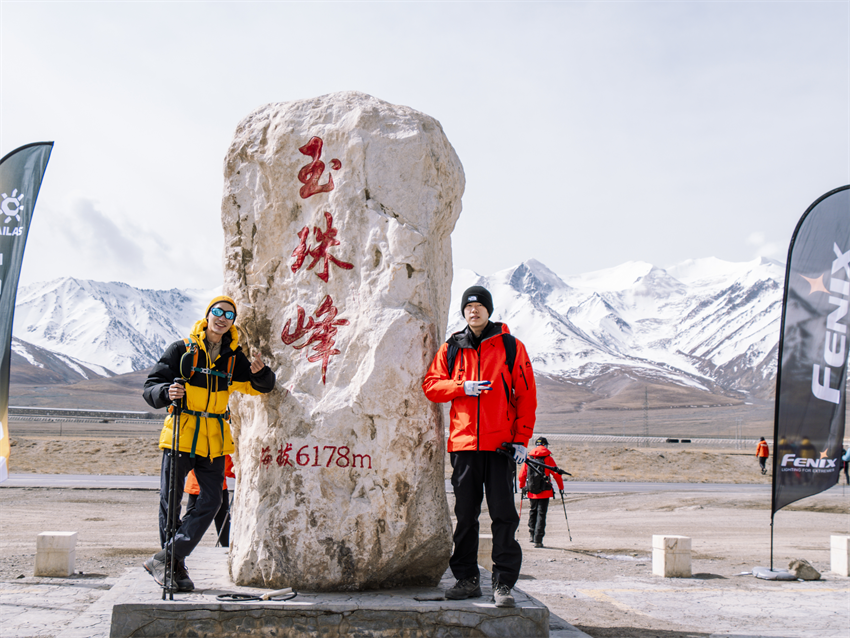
x: 198, y: 330
x: 230, y: 339
x: 540, y: 450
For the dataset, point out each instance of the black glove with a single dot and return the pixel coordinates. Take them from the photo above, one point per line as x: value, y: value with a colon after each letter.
x: 525, y: 492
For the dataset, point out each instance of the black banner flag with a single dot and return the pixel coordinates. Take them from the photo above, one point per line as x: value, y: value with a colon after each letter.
x: 21, y: 172
x: 813, y: 348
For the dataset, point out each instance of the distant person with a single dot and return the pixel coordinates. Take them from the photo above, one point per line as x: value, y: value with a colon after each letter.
x: 845, y: 463
x: 222, y: 517
x: 493, y: 403
x: 762, y: 453
x: 221, y: 369
x: 538, y: 485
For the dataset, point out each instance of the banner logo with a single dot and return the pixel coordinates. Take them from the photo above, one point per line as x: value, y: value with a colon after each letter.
x: 798, y: 461
x: 12, y: 207
x: 833, y: 350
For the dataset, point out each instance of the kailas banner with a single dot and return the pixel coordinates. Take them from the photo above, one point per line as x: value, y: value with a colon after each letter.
x: 813, y: 349
x: 21, y: 172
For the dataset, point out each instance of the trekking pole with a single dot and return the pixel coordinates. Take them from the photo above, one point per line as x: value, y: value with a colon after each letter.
x: 521, y: 496
x: 171, y: 524
x: 224, y: 523
x: 565, y: 515
x: 543, y: 466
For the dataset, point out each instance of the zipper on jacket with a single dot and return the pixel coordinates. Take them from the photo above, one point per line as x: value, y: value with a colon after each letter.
x: 507, y: 398
x: 478, y: 406
x: 522, y: 372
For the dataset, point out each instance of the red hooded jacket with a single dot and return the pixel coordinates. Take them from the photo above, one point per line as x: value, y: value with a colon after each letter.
x: 504, y: 414
x: 541, y: 453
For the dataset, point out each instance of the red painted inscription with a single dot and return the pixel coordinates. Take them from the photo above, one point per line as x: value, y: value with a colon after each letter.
x: 320, y: 331
x: 317, y: 456
x: 325, y: 239
x: 309, y: 174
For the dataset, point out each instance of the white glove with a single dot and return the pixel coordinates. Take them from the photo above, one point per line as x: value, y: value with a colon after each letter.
x: 519, y: 453
x: 474, y: 388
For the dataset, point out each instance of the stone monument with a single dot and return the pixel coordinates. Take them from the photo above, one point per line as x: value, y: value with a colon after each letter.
x: 337, y: 214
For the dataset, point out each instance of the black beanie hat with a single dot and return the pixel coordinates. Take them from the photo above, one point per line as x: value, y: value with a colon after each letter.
x: 477, y: 294
x: 541, y: 440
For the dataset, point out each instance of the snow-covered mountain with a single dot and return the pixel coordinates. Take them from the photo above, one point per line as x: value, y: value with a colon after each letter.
x: 112, y: 326
x: 37, y: 366
x: 708, y: 325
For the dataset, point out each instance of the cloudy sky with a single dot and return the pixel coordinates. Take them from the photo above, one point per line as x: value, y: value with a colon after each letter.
x: 591, y: 133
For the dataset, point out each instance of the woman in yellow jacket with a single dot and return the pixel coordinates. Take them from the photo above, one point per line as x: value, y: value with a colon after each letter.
x: 214, y: 365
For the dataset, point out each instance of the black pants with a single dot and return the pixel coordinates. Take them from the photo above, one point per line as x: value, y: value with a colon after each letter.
x: 537, y: 518
x: 477, y: 473
x: 222, y: 518
x: 763, y: 464
x: 210, y: 475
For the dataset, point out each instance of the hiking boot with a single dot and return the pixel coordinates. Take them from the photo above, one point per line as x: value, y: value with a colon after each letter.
x: 181, y: 577
x: 502, y: 596
x: 538, y: 544
x: 156, y: 568
x: 465, y: 588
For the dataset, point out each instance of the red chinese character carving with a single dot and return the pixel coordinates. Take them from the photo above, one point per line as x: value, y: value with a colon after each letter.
x: 326, y: 239
x: 322, y: 335
x: 283, y: 455
x: 309, y: 174
x: 265, y: 457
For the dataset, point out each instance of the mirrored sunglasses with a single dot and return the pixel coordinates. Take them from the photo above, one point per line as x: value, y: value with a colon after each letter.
x: 228, y: 314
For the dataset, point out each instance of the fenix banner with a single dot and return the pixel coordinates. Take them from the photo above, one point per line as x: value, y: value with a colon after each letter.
x: 21, y: 172
x: 813, y: 349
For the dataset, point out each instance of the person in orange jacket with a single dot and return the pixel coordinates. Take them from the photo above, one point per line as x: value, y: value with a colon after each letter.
x: 762, y: 453
x: 492, y: 403
x: 222, y: 517
x: 539, y: 489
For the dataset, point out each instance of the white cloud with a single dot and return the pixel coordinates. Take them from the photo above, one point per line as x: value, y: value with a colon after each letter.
x: 765, y: 248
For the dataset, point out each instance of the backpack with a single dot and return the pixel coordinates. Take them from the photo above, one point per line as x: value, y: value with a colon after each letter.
x: 508, y: 340
x: 538, y: 482
x: 189, y: 363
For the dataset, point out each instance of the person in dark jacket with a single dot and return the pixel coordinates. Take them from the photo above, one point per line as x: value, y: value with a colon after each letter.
x: 492, y: 404
x: 205, y: 438
x: 537, y: 484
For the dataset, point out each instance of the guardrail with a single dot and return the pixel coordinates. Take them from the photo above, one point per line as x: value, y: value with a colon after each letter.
x: 63, y: 413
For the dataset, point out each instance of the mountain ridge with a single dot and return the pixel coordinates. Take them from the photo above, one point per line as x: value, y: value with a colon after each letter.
x: 707, y: 327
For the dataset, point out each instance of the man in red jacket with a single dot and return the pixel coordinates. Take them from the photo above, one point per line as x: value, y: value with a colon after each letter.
x: 486, y: 374
x: 539, y: 489
x: 762, y: 452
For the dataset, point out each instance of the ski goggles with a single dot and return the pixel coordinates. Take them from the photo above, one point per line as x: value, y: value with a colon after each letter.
x: 228, y: 314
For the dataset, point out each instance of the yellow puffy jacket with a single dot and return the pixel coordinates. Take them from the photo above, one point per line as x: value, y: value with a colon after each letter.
x: 204, y: 422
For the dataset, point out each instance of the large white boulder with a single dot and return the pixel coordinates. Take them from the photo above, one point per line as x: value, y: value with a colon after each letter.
x: 337, y: 214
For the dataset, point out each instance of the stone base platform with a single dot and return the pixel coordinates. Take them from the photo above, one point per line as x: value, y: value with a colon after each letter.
x: 408, y: 613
